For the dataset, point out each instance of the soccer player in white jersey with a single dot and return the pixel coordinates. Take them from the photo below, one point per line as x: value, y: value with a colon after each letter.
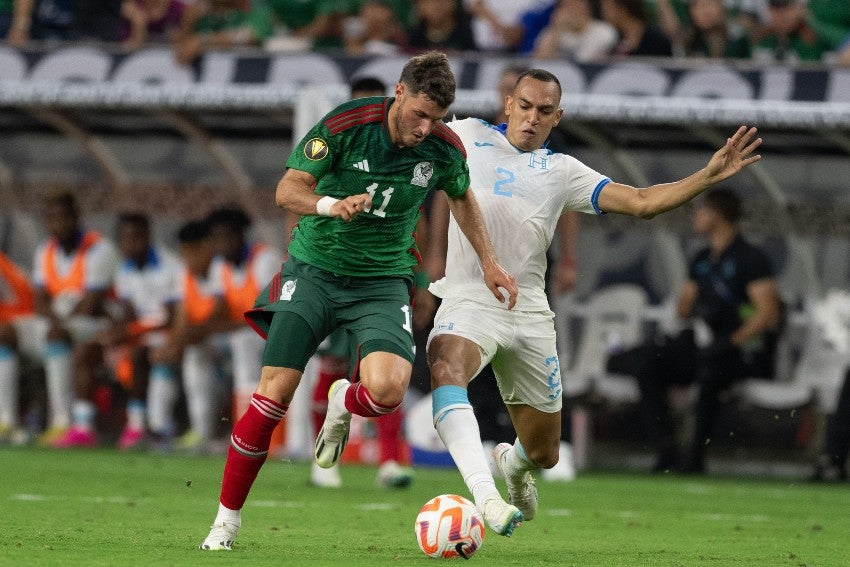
x: 522, y: 189
x: 147, y: 287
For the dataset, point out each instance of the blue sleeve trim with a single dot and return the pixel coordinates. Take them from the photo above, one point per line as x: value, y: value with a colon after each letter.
x: 594, y: 198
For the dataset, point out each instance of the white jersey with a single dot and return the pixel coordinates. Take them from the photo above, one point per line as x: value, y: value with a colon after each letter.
x: 100, y: 262
x: 521, y: 196
x: 151, y: 288
x: 262, y: 267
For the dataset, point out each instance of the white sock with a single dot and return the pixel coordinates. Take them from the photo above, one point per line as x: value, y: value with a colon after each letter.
x: 9, y: 376
x: 162, y: 397
x: 200, y: 388
x: 135, y: 414
x: 516, y: 461
x: 84, y: 414
x: 226, y: 515
x: 456, y: 425
x: 59, y: 373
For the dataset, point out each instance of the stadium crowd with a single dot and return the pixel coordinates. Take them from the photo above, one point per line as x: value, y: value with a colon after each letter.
x: 582, y: 30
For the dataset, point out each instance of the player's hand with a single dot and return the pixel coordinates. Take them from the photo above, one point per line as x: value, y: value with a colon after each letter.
x: 496, y: 277
x: 734, y: 156
x: 347, y: 209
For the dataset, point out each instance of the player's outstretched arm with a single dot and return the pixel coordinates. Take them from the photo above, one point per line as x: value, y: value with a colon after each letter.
x: 295, y: 193
x: 471, y: 222
x: 647, y: 202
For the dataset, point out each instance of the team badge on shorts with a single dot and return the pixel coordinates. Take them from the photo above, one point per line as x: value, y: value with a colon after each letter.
x: 422, y: 173
x: 315, y: 149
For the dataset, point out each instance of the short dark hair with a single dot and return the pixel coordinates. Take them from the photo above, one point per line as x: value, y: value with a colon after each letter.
x: 431, y: 75
x: 231, y: 216
x: 724, y: 201
x: 367, y: 84
x: 136, y: 219
x: 193, y: 232
x: 64, y: 199
x: 540, y: 75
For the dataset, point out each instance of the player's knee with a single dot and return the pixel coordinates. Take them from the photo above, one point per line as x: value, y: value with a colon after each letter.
x: 543, y: 457
x: 387, y: 391
x: 445, y: 372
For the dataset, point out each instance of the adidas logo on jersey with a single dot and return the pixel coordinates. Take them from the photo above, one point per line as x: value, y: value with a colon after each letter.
x: 362, y: 165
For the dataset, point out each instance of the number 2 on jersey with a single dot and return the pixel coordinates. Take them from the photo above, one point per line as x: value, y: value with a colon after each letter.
x: 386, y: 194
x: 499, y: 185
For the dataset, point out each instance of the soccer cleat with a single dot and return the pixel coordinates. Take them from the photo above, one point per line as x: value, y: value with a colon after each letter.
x: 189, y: 442
x: 131, y: 439
x: 503, y: 518
x: 521, y: 488
x: 221, y: 536
x: 393, y: 475
x: 76, y: 437
x: 334, y: 433
x: 325, y: 478
x: 49, y: 437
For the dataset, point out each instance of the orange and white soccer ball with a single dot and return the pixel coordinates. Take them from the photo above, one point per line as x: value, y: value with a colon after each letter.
x: 448, y: 526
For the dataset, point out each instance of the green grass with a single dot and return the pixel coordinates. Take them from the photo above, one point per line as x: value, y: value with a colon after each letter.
x: 104, y: 508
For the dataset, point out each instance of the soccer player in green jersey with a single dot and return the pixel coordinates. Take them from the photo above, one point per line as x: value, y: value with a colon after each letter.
x: 358, y: 180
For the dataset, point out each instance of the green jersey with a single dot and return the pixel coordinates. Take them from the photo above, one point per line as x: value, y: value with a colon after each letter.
x: 349, y: 151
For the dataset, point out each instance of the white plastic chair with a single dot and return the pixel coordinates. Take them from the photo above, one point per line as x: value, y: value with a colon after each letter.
x: 613, y: 319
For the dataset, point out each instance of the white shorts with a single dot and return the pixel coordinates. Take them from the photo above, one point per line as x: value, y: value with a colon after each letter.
x: 519, y: 345
x: 32, y: 332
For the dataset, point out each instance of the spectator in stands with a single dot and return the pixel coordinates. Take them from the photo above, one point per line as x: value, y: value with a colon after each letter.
x: 497, y: 25
x: 146, y: 290
x: 711, y: 34
x: 638, y: 37
x: 374, y: 31
x: 787, y: 35
x: 574, y: 33
x: 532, y: 22
x: 149, y: 21
x: 309, y: 25
x: 73, y: 275
x: 732, y: 291
x: 443, y: 25
x: 199, y: 314
x: 16, y: 300
x: 220, y: 24
x: 831, y: 20
x: 16, y: 20
x: 843, y: 55
x: 831, y: 466
x: 241, y: 268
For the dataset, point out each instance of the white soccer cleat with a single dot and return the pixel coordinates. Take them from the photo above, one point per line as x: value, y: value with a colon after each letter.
x: 393, y: 475
x: 521, y: 488
x: 222, y: 536
x: 503, y: 518
x: 334, y: 433
x: 325, y: 478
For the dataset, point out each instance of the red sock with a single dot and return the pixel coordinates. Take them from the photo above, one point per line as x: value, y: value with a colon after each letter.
x: 388, y: 428
x: 319, y: 407
x: 359, y: 401
x: 249, y: 446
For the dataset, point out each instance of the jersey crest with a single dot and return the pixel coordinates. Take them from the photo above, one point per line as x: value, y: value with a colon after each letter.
x: 316, y: 149
x: 422, y: 173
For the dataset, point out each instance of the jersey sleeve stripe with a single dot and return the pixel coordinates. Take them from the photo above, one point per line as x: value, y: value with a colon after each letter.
x: 355, y: 116
x: 444, y: 132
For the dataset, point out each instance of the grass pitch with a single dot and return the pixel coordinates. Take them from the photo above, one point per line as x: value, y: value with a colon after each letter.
x: 105, y: 508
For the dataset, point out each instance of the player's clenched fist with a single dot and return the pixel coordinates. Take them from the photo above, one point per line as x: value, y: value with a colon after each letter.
x: 346, y: 209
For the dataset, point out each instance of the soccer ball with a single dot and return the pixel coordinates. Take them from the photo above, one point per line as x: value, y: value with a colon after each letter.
x: 449, y: 525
